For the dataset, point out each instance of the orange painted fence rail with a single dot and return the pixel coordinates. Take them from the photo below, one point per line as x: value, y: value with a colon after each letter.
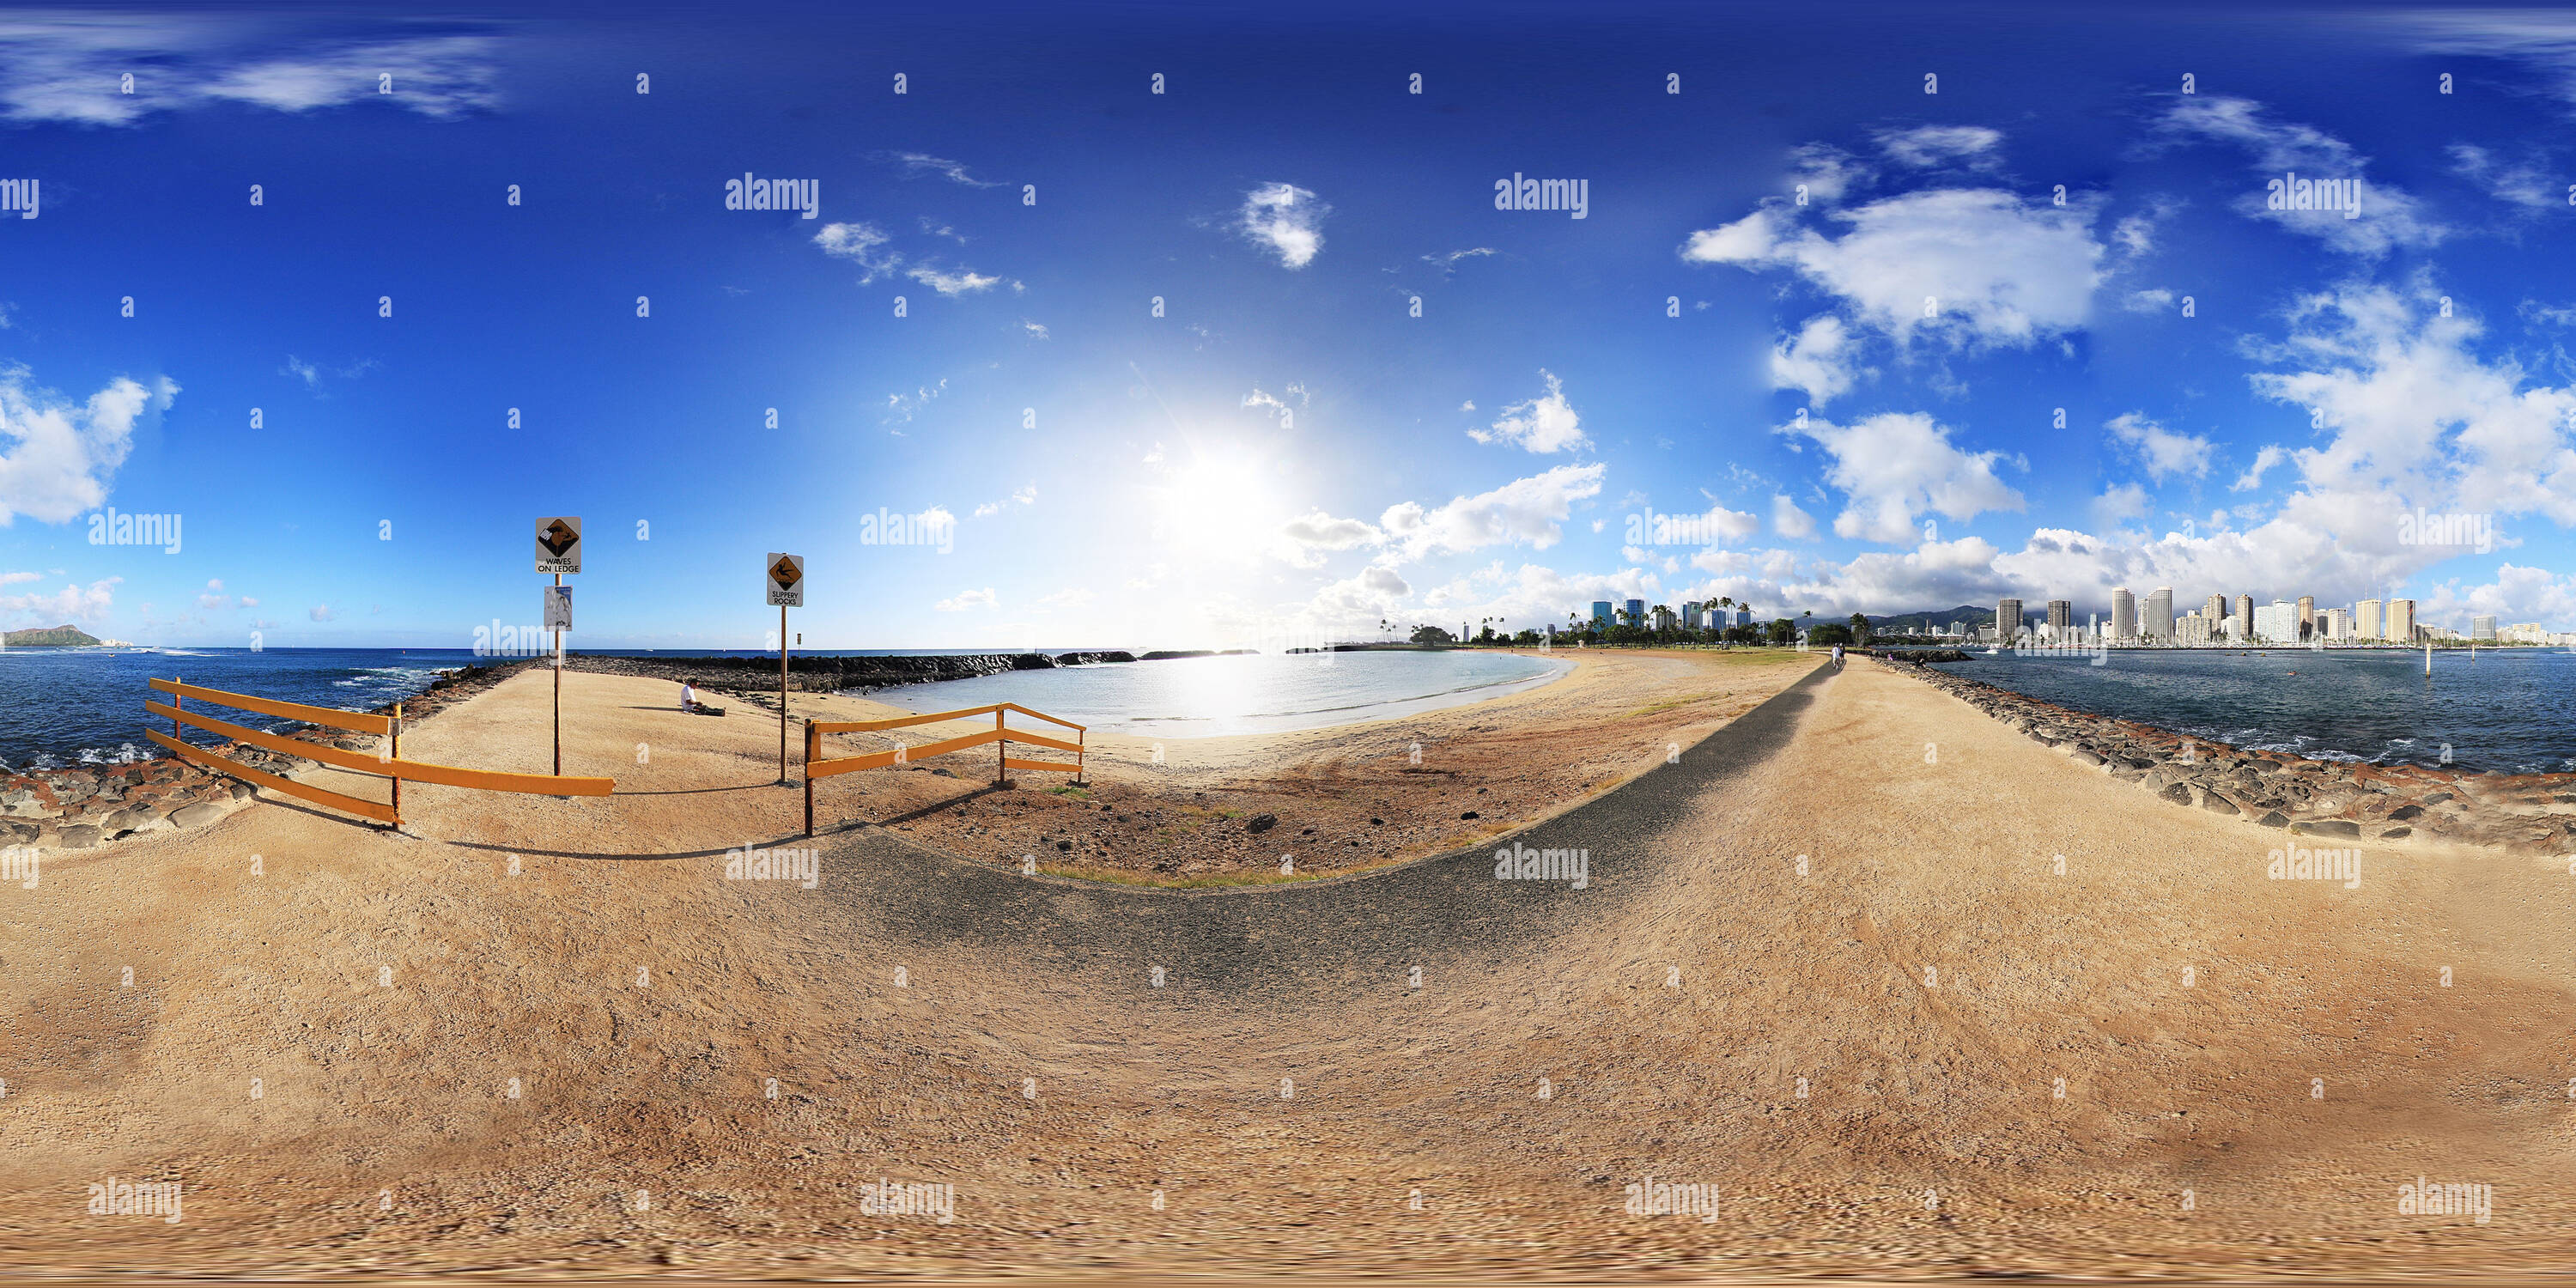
x: 389, y: 765
x: 1004, y: 763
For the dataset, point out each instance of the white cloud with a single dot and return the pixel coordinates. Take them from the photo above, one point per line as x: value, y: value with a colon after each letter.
x: 2522, y: 185
x: 1826, y: 172
x: 2164, y: 453
x: 2120, y: 505
x: 56, y: 456
x: 1036, y: 330
x: 2414, y: 416
x: 1303, y: 537
x: 319, y: 612
x: 1820, y: 359
x: 68, y: 67
x: 1925, y: 146
x: 2264, y: 460
x: 1529, y: 511
x: 861, y: 243
x: 1287, y: 219
x: 951, y: 284
x: 1895, y: 466
x: 2389, y: 216
x: 1547, y: 423
x: 1790, y: 521
x: 2153, y: 300
x: 1023, y: 496
x: 967, y: 599
x: 917, y: 164
x: 70, y: 604
x: 1449, y: 262
x: 1075, y: 597
x: 1375, y: 592
x: 1988, y: 266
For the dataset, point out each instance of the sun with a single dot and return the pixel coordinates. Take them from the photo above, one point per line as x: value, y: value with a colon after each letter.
x: 1219, y: 505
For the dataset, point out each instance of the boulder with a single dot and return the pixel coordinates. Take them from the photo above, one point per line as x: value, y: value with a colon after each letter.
x: 79, y: 836
x: 197, y: 815
x: 1262, y: 823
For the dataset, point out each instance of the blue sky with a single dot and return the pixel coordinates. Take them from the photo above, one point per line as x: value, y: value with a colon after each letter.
x: 2036, y: 333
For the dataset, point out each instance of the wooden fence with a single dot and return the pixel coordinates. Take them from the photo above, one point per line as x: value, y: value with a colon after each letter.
x: 1001, y: 735
x: 389, y: 765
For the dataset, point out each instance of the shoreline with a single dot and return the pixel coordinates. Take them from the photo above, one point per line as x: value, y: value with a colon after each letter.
x: 2307, y: 796
x: 82, y: 807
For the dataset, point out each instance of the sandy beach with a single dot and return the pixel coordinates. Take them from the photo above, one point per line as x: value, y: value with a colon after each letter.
x: 1828, y: 964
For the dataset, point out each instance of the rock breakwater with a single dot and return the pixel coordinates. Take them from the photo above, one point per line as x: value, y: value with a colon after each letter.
x: 2533, y: 812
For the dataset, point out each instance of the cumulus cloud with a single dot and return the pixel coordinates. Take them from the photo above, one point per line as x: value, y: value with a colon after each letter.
x: 1285, y: 219
x: 2264, y: 460
x: 1530, y: 511
x: 966, y: 599
x: 1790, y: 521
x: 1975, y: 265
x: 70, y: 604
x: 1303, y: 538
x: 56, y: 456
x: 1544, y: 424
x: 319, y: 612
x: 1820, y: 359
x: 2164, y: 453
x: 1895, y: 466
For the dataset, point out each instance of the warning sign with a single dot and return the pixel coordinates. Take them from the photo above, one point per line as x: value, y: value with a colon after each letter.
x: 559, y: 545
x: 785, y: 579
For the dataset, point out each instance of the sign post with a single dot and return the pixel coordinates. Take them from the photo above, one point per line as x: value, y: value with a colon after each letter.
x: 783, y: 575
x: 559, y: 552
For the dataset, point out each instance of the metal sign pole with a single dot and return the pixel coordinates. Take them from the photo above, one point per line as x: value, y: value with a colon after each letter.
x: 782, y: 695
x: 558, y: 695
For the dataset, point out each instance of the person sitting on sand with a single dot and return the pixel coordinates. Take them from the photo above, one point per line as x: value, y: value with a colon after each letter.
x: 689, y: 703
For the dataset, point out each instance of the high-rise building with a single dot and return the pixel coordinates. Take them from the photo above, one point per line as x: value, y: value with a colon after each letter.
x: 1601, y: 612
x: 2156, y: 618
x: 1663, y: 618
x: 2366, y: 625
x: 2307, y: 615
x: 2007, y: 620
x: 1690, y: 615
x: 1743, y: 615
x: 2482, y: 627
x: 2401, y: 620
x: 2277, y: 623
x: 2061, y: 621
x: 2244, y: 617
x: 2214, y: 609
x: 2338, y: 626
x: 2124, y: 616
x: 2193, y: 631
x: 1636, y: 612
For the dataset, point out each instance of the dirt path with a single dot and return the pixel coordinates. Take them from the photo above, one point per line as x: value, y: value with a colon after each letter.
x: 1288, y: 1089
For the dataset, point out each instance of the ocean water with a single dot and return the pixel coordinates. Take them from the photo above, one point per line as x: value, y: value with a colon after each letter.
x: 2507, y: 711
x: 85, y: 706
x: 1201, y: 697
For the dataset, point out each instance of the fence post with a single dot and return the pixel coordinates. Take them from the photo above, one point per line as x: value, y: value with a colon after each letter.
x: 178, y: 702
x: 1081, y: 741
x: 812, y: 737
x: 397, y: 755
x: 1002, y: 751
